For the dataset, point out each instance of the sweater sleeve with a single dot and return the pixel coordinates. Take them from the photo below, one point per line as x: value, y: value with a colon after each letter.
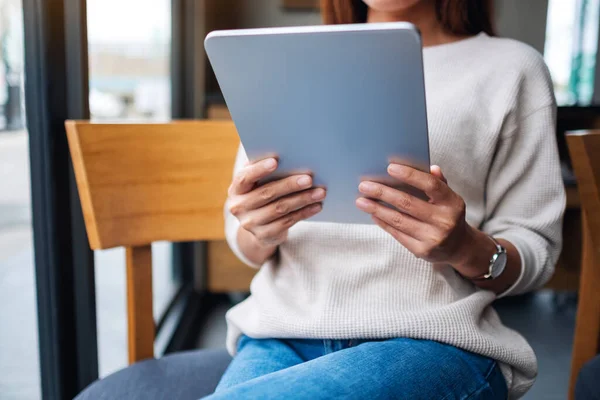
x: 525, y: 197
x: 231, y: 222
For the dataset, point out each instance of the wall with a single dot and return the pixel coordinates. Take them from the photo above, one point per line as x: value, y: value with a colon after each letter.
x: 524, y: 20
x: 268, y: 13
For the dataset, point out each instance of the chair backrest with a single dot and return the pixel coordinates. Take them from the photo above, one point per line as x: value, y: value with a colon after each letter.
x: 584, y: 148
x: 141, y: 183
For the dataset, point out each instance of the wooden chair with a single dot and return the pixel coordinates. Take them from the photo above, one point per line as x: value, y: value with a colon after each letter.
x: 141, y: 183
x: 584, y: 148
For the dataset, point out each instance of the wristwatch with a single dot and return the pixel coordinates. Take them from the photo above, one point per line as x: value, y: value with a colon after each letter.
x: 497, y: 263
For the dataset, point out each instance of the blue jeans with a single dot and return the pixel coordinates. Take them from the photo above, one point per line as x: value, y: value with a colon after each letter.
x: 358, y: 369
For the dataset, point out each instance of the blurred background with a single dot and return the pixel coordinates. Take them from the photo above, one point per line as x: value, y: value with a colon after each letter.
x: 144, y: 61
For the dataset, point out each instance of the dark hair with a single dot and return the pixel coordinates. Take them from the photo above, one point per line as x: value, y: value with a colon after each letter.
x: 459, y: 17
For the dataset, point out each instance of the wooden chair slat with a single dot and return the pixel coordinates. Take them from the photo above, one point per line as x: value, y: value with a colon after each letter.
x: 140, y: 320
x: 141, y: 183
x: 584, y: 148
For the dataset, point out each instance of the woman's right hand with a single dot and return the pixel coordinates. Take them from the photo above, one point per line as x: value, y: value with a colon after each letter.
x: 269, y: 211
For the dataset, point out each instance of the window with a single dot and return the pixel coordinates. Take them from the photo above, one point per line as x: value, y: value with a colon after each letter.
x: 129, y: 59
x: 19, y: 365
x: 570, y: 49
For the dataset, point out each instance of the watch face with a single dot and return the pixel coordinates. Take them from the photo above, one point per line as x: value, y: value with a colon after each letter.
x: 499, y: 265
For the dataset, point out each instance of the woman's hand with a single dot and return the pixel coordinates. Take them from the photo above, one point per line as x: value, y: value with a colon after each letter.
x: 268, y: 211
x: 435, y: 231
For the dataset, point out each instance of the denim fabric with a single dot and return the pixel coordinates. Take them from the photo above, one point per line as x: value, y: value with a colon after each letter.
x: 358, y: 369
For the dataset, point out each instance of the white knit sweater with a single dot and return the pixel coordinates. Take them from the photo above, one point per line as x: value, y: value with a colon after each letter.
x: 491, y: 113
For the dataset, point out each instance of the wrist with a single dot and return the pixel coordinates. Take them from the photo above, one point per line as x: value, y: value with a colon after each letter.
x: 255, y: 250
x: 474, y: 254
x: 260, y: 245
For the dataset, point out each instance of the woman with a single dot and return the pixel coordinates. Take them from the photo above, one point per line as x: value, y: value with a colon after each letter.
x: 402, y: 308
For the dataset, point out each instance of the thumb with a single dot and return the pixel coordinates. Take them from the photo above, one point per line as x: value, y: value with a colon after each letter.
x: 437, y: 172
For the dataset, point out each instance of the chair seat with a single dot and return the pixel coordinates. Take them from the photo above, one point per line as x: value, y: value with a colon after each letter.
x: 187, y: 375
x: 588, y: 385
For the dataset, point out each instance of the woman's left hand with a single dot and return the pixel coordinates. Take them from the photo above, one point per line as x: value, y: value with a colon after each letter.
x: 435, y: 231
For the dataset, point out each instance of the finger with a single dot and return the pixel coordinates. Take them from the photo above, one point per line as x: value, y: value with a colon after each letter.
x: 433, y: 186
x: 405, y: 240
x: 437, y: 172
x: 246, y: 178
x: 401, y: 222
x: 402, y: 201
x: 280, y: 226
x: 281, y: 208
x: 273, y: 191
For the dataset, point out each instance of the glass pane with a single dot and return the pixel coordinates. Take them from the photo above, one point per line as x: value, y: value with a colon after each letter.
x: 129, y: 57
x: 19, y: 361
x: 571, y: 47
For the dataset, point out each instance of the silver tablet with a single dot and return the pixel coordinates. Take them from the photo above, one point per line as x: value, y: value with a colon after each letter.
x: 339, y: 102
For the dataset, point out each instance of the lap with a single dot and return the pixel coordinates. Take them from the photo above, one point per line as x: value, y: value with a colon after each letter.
x: 258, y: 357
x: 390, y: 369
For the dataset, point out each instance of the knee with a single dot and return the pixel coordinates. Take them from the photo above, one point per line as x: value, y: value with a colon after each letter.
x: 588, y: 382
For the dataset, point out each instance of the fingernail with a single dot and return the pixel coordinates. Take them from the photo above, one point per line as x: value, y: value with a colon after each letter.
x: 364, y: 204
x: 316, y: 207
x: 304, y: 181
x: 366, y: 187
x: 269, y: 164
x: 318, y: 194
x: 395, y: 168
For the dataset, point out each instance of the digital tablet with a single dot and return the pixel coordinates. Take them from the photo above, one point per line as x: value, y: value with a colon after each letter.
x: 339, y: 102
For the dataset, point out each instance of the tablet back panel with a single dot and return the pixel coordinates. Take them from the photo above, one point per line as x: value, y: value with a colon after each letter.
x: 340, y: 102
